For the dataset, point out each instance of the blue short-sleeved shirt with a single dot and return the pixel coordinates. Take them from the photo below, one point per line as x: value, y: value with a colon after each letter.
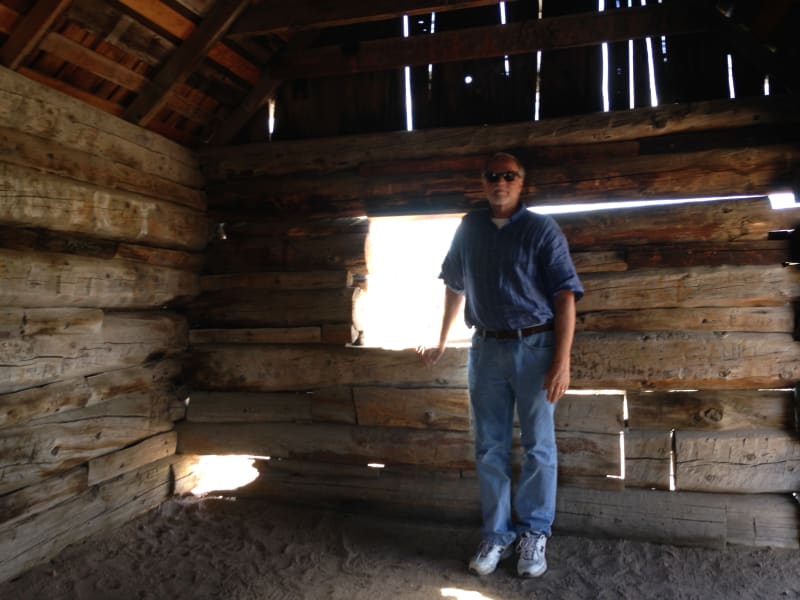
x: 510, y: 275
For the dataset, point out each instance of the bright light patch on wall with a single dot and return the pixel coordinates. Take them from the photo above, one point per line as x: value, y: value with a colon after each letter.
x: 430, y: 66
x: 376, y: 465
x: 766, y: 85
x: 468, y: 79
x: 601, y: 7
x: 271, y: 117
x: 556, y: 209
x: 651, y: 67
x: 537, y: 101
x: 407, y: 71
x: 223, y: 473
x: 459, y: 594
x: 731, y: 87
x: 783, y: 200
x: 631, y: 90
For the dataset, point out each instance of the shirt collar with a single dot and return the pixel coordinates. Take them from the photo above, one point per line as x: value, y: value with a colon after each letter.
x: 520, y: 210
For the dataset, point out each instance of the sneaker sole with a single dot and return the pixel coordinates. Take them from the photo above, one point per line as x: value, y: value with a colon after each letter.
x: 531, y: 575
x: 506, y: 554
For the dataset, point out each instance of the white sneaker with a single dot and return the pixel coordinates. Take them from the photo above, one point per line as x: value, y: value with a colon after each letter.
x: 487, y: 557
x: 531, y: 561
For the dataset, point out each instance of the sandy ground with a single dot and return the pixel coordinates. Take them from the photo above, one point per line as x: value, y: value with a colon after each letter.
x: 247, y: 549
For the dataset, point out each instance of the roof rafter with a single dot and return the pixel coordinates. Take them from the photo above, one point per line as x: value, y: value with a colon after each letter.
x: 308, y: 14
x: 586, y: 29
x: 185, y: 59
x: 27, y: 35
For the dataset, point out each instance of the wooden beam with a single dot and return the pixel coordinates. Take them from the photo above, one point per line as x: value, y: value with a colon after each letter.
x: 579, y: 30
x: 27, y: 34
x: 370, y: 150
x: 307, y: 14
x: 185, y: 60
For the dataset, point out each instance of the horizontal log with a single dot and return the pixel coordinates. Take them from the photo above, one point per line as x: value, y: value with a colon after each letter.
x: 38, y: 110
x: 579, y: 453
x: 34, y: 451
x: 80, y: 392
x: 724, y: 221
x: 278, y: 281
x: 737, y: 462
x: 757, y: 252
x: 43, y: 496
x: 42, y: 240
x: 524, y: 37
x: 668, y: 361
x: 700, y: 174
x: 257, y: 308
x: 705, y: 410
x: 31, y: 198
x: 53, y: 321
x: 44, y: 279
x: 128, y: 459
x: 126, y: 340
x: 339, y: 333
x: 448, y: 409
x: 691, y: 287
x: 761, y: 519
x: 324, y: 155
x: 767, y: 319
x: 249, y: 407
x: 257, y: 254
x: 648, y: 459
x: 99, y: 509
x: 599, y: 361
x: 27, y: 150
x: 261, y: 335
x: 599, y: 262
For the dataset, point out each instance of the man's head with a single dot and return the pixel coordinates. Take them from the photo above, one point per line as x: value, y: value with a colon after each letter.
x: 502, y: 178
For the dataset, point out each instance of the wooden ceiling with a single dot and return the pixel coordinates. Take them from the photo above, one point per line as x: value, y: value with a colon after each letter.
x: 203, y: 71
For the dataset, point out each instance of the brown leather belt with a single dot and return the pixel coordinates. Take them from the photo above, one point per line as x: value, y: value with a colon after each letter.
x: 514, y: 334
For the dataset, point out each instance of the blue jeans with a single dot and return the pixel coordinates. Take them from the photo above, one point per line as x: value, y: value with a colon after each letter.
x: 500, y: 373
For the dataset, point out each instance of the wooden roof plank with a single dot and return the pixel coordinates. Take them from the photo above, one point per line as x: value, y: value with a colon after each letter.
x: 185, y: 60
x: 572, y: 31
x: 29, y: 32
x: 307, y: 14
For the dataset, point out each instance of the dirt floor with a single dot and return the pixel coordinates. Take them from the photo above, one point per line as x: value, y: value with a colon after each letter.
x: 246, y: 549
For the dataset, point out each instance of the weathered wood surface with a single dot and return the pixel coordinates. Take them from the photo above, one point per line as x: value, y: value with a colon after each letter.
x: 100, y: 508
x: 47, y: 279
x: 31, y: 452
x: 261, y: 335
x: 32, y: 151
x: 80, y: 392
x: 711, y: 410
x: 254, y: 307
x: 723, y: 221
x: 767, y: 319
x: 349, y: 152
x: 757, y: 252
x: 42, y: 240
x: 126, y: 340
x: 599, y: 361
x: 53, y: 321
x: 448, y: 409
x: 339, y: 252
x: 718, y: 172
x: 726, y: 286
x: 42, y: 496
x: 737, y: 461
x: 35, y: 109
x: 31, y: 198
x: 761, y: 519
x: 648, y: 459
x: 579, y: 453
x: 673, y: 360
x: 128, y: 459
x: 598, y: 262
x: 278, y: 281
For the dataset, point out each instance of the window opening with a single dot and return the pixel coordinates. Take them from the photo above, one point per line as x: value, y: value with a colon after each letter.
x: 731, y: 86
x: 407, y: 76
x: 601, y: 7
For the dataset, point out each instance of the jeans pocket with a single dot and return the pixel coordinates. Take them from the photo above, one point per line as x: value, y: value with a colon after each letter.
x: 544, y: 339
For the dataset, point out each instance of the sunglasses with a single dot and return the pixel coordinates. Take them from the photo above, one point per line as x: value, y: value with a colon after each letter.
x: 494, y: 177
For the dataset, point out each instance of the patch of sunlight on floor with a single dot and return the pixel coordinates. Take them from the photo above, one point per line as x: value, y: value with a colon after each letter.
x: 463, y: 594
x: 223, y: 473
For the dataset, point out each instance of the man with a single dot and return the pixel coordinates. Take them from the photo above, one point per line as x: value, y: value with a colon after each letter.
x: 514, y: 270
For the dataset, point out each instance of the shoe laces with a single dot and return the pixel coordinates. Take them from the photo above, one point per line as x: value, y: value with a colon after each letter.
x: 485, y: 548
x: 530, y: 546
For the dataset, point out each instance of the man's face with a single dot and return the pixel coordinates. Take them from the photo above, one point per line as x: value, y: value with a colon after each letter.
x: 503, y: 195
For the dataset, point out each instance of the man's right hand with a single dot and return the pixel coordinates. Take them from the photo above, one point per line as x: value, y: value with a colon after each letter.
x: 430, y: 356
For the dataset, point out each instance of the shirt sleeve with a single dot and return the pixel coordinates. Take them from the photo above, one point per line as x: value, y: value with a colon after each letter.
x: 558, y: 270
x: 453, y: 266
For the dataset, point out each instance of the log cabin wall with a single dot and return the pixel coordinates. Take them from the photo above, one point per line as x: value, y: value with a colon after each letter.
x: 688, y: 317
x: 102, y: 227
